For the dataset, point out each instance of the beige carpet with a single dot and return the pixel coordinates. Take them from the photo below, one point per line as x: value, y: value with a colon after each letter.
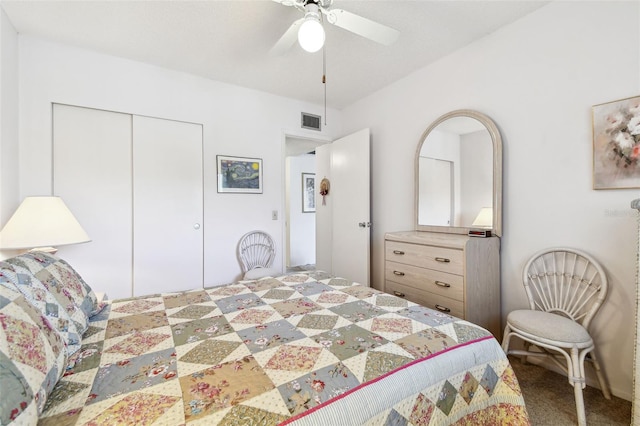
x: 550, y: 401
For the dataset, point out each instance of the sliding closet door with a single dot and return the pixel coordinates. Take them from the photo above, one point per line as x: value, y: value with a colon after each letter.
x: 167, y: 205
x: 92, y: 174
x: 135, y: 185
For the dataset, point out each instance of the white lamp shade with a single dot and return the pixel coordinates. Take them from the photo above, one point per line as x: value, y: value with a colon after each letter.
x: 311, y: 34
x: 484, y: 218
x: 42, y: 222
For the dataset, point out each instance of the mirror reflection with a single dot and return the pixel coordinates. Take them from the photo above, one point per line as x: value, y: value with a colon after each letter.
x: 455, y: 173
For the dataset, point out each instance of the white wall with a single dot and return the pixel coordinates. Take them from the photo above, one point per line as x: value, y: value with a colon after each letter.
x: 9, y: 197
x: 302, y: 241
x: 538, y: 79
x: 237, y: 121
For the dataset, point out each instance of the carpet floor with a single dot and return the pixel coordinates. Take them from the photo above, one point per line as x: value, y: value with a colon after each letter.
x: 550, y: 401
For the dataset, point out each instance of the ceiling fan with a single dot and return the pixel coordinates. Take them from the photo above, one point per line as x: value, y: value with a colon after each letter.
x: 310, y: 33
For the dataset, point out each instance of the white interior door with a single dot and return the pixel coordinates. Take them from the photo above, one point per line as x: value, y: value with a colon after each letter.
x: 167, y: 205
x: 324, y: 211
x: 92, y: 174
x: 343, y: 228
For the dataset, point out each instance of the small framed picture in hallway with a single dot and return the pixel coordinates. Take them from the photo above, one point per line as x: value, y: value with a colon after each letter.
x: 308, y: 192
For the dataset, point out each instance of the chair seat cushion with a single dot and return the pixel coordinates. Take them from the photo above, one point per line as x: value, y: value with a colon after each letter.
x: 257, y: 273
x: 549, y: 326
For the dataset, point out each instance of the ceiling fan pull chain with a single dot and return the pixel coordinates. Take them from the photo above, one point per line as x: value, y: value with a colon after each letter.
x: 324, y: 80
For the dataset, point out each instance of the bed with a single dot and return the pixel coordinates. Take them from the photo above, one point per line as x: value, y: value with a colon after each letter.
x: 305, y: 348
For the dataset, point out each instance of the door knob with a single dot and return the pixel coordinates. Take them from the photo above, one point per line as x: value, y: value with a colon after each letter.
x: 196, y: 226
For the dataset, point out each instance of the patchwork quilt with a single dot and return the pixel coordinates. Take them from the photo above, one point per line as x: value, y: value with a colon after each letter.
x: 299, y: 349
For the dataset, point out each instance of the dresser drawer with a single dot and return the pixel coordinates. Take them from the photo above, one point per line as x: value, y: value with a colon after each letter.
x: 421, y: 279
x: 432, y: 257
x: 425, y: 298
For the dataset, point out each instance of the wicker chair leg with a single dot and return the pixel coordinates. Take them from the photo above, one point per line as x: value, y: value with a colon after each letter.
x: 601, y: 380
x: 527, y: 347
x: 506, y: 337
x: 582, y: 418
x: 578, y: 381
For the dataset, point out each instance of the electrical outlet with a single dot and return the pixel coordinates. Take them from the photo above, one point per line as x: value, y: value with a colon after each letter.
x: 274, y: 215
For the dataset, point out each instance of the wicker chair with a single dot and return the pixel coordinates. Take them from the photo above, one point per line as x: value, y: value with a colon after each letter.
x: 565, y: 288
x: 256, y: 251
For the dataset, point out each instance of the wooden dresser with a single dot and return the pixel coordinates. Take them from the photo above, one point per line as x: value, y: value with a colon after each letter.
x: 453, y: 273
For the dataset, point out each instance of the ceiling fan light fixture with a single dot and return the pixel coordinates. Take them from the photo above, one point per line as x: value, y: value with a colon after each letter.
x: 311, y: 33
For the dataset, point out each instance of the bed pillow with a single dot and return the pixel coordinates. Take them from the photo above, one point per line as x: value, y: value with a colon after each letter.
x: 63, y: 315
x: 32, y: 357
x: 67, y: 278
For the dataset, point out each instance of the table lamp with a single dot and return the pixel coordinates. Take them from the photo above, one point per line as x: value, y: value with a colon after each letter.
x: 40, y: 223
x: 484, y: 218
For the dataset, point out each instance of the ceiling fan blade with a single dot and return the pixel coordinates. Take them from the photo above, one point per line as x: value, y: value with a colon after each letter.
x: 362, y: 26
x: 287, y: 40
x: 296, y: 3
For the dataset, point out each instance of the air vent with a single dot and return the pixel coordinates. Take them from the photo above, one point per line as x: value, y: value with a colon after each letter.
x: 310, y: 121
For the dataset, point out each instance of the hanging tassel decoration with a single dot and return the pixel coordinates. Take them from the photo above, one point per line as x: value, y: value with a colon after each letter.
x: 324, y: 190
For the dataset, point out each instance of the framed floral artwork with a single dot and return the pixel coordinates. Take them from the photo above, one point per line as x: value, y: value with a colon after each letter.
x: 616, y: 144
x: 239, y: 174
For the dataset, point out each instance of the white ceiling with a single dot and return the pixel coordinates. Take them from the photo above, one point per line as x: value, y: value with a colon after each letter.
x: 229, y: 41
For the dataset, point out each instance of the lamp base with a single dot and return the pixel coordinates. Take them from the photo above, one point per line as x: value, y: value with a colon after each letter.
x: 50, y: 250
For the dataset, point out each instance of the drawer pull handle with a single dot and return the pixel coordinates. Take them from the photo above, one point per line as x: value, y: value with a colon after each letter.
x: 442, y: 308
x: 400, y: 252
x: 397, y: 293
x: 398, y: 273
x: 442, y: 259
x: 441, y: 284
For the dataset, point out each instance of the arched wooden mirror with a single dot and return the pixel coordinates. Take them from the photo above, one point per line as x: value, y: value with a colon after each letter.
x: 459, y: 175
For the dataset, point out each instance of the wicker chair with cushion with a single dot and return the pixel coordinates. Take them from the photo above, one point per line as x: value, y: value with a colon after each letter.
x: 256, y: 251
x: 565, y: 288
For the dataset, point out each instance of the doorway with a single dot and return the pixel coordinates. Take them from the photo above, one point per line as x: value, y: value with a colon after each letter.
x: 300, y: 223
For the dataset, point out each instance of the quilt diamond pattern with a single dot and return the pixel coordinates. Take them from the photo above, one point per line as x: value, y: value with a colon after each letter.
x: 288, y: 350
